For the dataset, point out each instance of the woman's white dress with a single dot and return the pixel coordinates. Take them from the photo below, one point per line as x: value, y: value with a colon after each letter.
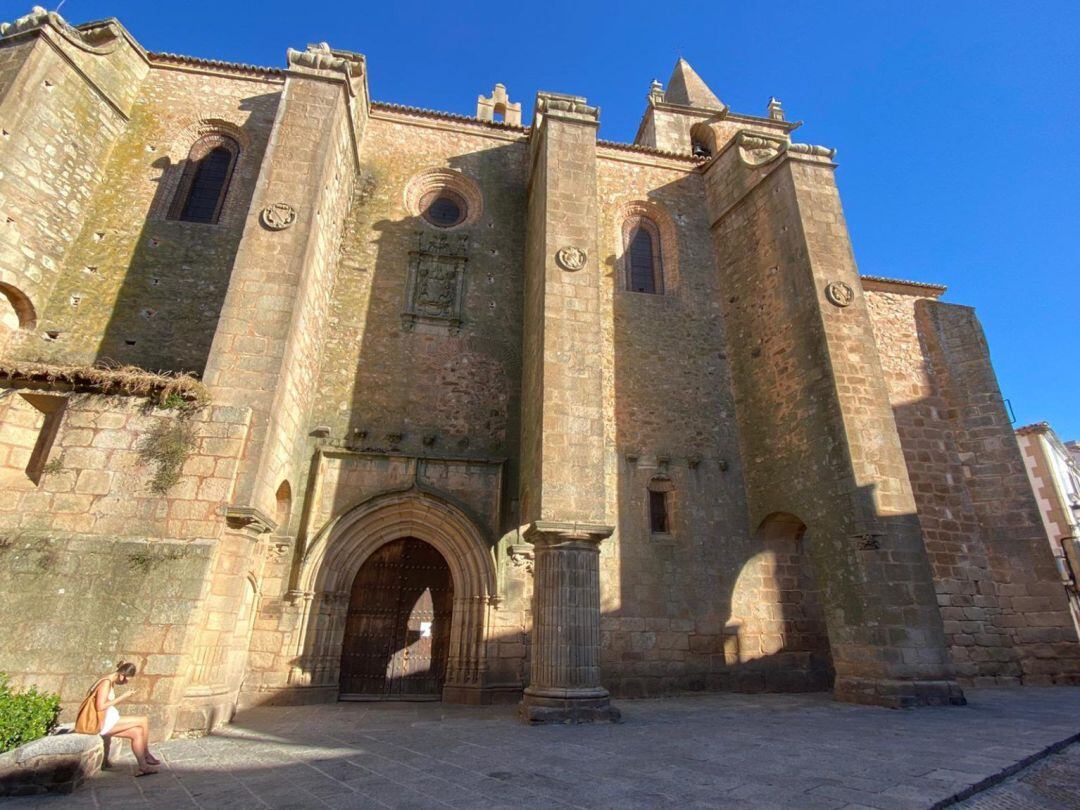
x: 112, y: 714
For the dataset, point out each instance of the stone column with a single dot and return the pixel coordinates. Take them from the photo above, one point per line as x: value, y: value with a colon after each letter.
x: 563, y: 486
x: 564, y: 678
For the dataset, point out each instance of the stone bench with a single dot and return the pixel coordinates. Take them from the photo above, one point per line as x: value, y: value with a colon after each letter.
x: 55, y: 764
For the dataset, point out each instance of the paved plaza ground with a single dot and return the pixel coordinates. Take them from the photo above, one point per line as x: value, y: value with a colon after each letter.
x: 728, y: 750
x: 1052, y: 783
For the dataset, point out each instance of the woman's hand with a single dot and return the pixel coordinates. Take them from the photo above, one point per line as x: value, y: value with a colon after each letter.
x: 124, y: 696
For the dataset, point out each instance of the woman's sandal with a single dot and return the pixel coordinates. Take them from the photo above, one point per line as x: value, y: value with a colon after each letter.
x: 145, y: 771
x: 152, y: 760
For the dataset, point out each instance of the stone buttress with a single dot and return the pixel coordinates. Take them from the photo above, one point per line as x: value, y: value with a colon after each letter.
x: 563, y: 439
x: 265, y: 352
x: 817, y: 430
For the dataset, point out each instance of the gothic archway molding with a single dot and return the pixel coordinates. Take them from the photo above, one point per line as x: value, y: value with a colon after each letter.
x: 336, y: 554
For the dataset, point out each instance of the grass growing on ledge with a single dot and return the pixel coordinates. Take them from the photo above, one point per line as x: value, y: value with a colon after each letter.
x: 168, y: 389
x: 167, y: 446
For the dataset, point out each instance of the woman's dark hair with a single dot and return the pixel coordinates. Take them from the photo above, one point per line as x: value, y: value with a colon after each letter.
x: 126, y: 668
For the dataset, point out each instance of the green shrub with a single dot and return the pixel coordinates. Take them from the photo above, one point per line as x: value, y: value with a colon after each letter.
x: 25, y: 716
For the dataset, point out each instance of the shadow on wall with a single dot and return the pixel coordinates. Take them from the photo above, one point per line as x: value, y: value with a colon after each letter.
x: 435, y: 353
x: 167, y: 308
x: 426, y: 352
x: 986, y: 541
x: 693, y: 598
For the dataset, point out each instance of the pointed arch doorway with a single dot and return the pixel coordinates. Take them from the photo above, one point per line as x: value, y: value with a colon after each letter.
x: 397, y: 631
x: 331, y: 563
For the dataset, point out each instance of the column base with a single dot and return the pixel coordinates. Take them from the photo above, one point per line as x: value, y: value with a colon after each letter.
x: 567, y: 706
x: 899, y: 694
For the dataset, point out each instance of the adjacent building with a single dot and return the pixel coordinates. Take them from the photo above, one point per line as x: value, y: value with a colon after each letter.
x: 1054, y: 470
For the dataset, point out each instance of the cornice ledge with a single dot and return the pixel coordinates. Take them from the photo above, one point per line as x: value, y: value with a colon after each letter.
x: 321, y: 60
x: 250, y: 518
x: 101, y: 38
x: 899, y: 285
x: 567, y: 107
x: 717, y: 113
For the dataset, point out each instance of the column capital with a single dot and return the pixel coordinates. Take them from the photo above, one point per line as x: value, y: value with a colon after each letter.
x: 557, y: 532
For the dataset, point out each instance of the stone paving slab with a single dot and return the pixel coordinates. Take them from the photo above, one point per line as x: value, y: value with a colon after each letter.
x: 738, y: 751
x: 1052, y: 783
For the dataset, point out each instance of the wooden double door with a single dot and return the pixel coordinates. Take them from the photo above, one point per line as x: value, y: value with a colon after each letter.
x: 397, y: 635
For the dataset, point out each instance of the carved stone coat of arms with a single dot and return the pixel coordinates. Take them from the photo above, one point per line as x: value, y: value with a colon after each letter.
x: 436, y: 281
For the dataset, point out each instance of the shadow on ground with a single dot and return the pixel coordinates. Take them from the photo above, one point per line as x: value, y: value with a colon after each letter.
x: 766, y: 750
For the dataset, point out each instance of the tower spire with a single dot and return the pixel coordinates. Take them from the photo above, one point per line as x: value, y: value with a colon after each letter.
x: 685, y: 87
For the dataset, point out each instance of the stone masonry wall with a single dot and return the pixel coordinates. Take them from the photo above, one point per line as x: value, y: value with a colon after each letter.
x: 966, y: 591
x: 310, y: 313
x: 1028, y: 586
x: 397, y: 386
x: 421, y: 393
x: 270, y: 331
x: 57, y: 132
x: 816, y: 429
x: 138, y: 288
x: 99, y: 567
x: 667, y: 599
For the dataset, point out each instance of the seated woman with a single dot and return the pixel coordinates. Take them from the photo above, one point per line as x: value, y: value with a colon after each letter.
x: 135, y: 729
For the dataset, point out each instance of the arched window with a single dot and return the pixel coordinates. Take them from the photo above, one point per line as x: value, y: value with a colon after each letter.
x: 644, y: 270
x: 205, y: 181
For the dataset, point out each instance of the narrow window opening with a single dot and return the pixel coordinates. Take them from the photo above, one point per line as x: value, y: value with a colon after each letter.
x: 658, y: 512
x: 205, y: 181
x: 661, y: 492
x: 641, y: 263
x: 207, y: 187
x: 283, y: 507
x: 642, y: 256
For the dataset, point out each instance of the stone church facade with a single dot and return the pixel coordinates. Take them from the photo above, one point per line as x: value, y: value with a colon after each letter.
x: 484, y: 412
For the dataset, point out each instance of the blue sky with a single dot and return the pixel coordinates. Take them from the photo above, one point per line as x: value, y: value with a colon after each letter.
x: 954, y: 120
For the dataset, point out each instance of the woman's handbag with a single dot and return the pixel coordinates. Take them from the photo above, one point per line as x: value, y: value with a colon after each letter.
x: 89, y: 719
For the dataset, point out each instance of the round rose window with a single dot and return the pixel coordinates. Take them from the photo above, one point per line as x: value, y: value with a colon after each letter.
x: 443, y: 208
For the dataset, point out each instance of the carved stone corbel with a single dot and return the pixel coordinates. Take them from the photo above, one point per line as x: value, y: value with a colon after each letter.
x: 249, y: 519
x: 811, y: 149
x: 757, y: 150
x: 522, y: 557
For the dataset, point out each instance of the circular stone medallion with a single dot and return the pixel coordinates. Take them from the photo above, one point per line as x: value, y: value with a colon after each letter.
x: 278, y: 216
x: 571, y: 258
x: 839, y: 294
